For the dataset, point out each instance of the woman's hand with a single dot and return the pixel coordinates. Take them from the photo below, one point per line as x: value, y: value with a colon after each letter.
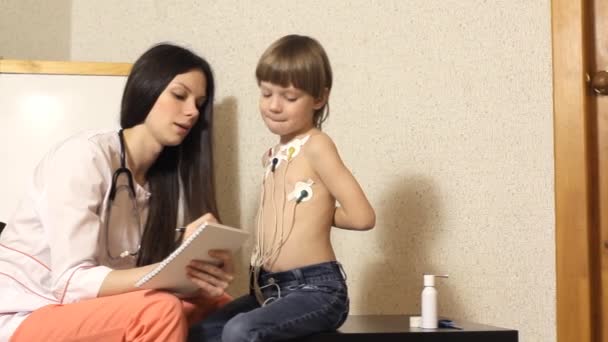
x: 208, y: 217
x: 212, y: 279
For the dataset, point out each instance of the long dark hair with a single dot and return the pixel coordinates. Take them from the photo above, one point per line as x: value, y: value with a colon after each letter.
x: 191, y: 161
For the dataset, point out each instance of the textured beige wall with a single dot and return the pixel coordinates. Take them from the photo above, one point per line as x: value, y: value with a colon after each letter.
x: 443, y: 111
x: 33, y: 29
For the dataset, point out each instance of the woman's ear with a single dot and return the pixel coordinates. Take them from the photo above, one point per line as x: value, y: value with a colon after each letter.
x: 322, y: 100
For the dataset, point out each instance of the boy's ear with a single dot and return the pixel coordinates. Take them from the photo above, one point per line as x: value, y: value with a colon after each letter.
x: 322, y: 100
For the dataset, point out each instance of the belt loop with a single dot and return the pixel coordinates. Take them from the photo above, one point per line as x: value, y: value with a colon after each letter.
x: 299, y: 276
x: 341, y: 269
x: 251, y: 278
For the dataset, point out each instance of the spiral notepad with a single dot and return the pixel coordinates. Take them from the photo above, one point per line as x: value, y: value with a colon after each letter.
x: 170, y: 274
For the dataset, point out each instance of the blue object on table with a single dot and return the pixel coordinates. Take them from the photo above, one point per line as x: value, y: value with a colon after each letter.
x: 446, y: 323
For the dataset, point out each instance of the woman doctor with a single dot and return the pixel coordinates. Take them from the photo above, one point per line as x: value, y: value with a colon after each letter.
x: 102, y: 209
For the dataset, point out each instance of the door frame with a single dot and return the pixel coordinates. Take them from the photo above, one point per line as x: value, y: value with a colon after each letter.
x: 574, y: 219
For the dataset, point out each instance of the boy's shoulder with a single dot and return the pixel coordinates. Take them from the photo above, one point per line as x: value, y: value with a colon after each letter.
x: 319, y: 143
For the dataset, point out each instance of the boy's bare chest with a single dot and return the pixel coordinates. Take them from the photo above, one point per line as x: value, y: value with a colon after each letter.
x: 286, y: 176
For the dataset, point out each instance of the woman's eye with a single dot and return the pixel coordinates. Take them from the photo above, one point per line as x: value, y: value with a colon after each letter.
x: 179, y: 96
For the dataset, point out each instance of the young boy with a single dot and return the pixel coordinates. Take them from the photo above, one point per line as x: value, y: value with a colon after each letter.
x: 298, y: 287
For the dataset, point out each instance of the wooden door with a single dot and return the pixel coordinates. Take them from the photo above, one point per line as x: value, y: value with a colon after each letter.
x: 598, y: 76
x: 580, y: 53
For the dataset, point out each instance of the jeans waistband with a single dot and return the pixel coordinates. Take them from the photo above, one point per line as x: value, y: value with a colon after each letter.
x: 331, y: 270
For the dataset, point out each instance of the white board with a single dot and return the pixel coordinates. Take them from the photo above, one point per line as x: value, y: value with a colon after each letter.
x: 39, y: 110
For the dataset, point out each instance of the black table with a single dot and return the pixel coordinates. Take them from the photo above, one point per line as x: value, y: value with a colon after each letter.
x: 389, y: 328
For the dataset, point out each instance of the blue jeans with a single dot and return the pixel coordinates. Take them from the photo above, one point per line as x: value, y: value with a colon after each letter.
x: 300, y: 302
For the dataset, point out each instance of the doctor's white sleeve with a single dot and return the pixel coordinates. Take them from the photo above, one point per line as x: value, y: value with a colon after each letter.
x: 71, y: 196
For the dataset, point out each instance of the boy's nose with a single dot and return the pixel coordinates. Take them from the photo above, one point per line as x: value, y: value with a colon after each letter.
x: 275, y: 104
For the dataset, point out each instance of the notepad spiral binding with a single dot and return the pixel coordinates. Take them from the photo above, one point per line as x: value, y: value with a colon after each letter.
x: 170, y: 258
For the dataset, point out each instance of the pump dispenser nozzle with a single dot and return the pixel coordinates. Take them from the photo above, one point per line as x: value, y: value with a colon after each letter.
x: 429, y: 279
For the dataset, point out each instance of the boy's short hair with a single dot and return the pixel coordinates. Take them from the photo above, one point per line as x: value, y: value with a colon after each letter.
x: 299, y: 61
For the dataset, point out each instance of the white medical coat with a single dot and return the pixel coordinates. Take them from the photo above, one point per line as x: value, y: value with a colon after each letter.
x: 53, y: 249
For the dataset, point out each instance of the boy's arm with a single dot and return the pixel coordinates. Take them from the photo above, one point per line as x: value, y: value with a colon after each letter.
x: 355, y: 211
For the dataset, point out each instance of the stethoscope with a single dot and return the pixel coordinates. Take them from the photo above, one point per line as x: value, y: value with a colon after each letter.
x: 114, y: 187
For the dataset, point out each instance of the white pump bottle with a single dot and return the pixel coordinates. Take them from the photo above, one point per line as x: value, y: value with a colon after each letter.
x: 429, y: 302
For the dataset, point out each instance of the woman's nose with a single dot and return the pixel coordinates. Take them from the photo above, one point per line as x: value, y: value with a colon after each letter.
x: 191, y: 109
